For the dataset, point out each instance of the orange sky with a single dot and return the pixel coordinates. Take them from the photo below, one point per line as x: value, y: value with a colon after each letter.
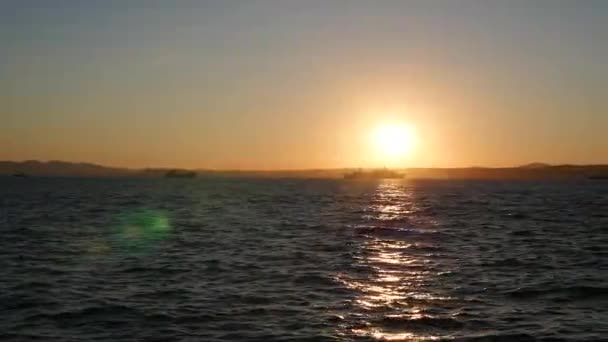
x: 288, y: 85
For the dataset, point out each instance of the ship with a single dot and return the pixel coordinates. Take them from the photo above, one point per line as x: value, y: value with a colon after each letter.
x: 20, y: 175
x: 375, y: 174
x: 180, y: 174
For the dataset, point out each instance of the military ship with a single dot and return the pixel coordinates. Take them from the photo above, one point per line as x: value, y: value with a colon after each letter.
x: 180, y: 174
x: 20, y: 175
x: 374, y: 174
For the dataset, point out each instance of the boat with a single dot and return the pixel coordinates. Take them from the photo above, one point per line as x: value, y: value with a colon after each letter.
x: 180, y: 174
x: 374, y: 174
x: 20, y: 175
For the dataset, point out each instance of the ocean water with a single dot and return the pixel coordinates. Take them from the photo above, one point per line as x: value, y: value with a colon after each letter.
x: 229, y: 259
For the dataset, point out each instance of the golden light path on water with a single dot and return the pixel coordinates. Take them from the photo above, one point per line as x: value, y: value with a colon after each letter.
x: 395, y: 287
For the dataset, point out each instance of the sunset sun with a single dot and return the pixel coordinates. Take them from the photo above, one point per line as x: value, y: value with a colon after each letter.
x: 304, y: 170
x: 393, y: 141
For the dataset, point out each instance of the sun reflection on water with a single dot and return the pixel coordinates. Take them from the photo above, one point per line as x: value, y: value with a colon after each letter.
x: 395, y: 283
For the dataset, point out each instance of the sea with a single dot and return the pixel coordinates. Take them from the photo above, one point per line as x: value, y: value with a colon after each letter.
x: 254, y: 259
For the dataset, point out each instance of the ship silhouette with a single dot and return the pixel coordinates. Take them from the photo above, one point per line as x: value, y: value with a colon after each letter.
x: 180, y: 174
x: 374, y: 174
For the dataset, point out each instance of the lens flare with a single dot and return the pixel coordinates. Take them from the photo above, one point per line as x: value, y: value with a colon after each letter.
x: 140, y: 231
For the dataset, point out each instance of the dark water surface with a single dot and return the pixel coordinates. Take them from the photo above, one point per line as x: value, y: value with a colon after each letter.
x: 310, y: 260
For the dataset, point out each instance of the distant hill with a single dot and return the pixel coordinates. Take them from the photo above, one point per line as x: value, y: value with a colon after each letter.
x: 535, y: 171
x: 60, y: 168
x: 529, y: 171
x: 535, y: 166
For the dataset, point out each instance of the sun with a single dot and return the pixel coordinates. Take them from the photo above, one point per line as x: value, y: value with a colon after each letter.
x: 393, y: 141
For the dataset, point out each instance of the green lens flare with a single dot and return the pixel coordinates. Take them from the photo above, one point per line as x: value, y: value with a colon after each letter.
x: 139, y: 231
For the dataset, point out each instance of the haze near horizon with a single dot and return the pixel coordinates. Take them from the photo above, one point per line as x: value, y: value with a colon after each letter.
x: 302, y: 85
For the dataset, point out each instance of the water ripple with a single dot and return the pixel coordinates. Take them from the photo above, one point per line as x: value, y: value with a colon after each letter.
x: 314, y: 260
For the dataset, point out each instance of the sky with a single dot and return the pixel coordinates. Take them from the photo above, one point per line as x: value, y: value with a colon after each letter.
x: 301, y: 84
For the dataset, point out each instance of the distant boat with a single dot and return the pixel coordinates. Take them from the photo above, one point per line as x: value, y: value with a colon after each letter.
x: 375, y: 174
x: 20, y: 174
x: 180, y: 174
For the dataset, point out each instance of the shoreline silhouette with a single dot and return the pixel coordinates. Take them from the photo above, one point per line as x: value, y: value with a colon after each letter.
x: 528, y: 171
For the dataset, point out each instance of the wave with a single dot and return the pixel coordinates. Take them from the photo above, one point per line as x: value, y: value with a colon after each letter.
x: 502, y: 338
x: 525, y: 232
x: 569, y: 292
x: 100, y: 313
x: 394, y: 232
x: 420, y: 323
x: 515, y: 262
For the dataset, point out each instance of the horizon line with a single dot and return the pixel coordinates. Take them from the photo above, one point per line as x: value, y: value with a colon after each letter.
x: 529, y: 165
